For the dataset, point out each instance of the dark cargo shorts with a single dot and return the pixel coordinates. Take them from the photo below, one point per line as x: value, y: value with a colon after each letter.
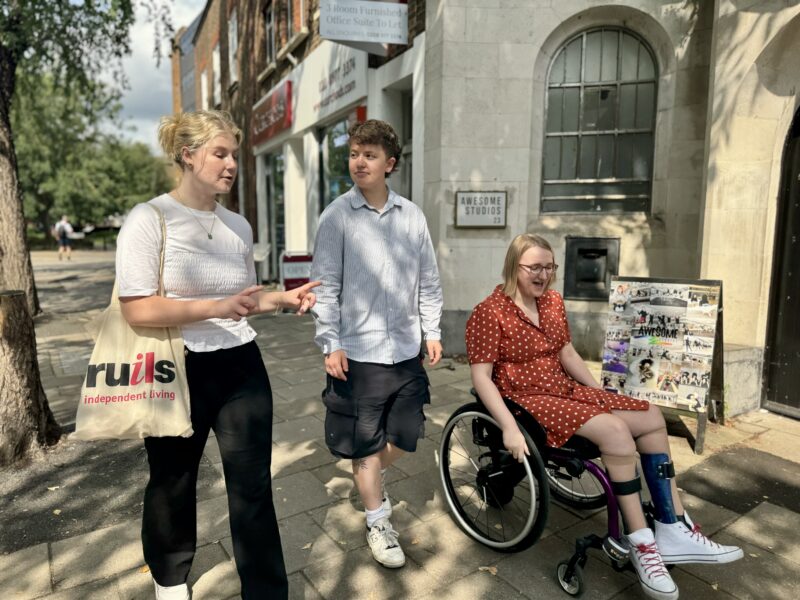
x: 377, y: 404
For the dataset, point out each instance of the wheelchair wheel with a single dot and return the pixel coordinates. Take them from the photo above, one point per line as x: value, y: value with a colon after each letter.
x: 579, y: 490
x: 494, y: 498
x: 573, y: 586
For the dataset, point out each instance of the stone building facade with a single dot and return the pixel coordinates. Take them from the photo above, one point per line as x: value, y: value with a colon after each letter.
x: 653, y: 138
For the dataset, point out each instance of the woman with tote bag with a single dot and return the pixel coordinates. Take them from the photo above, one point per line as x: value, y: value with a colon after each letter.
x: 209, y: 290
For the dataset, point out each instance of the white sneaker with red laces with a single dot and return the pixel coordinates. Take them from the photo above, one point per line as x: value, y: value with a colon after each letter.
x: 684, y: 542
x: 646, y: 560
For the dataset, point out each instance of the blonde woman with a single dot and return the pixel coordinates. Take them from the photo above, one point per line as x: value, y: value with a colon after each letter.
x: 519, y: 347
x: 209, y: 279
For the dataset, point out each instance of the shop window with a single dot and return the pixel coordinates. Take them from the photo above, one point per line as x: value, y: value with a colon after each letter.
x: 269, y: 33
x: 334, y: 154
x: 233, y: 46
x: 599, y: 124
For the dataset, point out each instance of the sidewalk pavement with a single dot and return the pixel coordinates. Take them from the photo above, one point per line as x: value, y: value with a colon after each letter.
x: 70, y: 522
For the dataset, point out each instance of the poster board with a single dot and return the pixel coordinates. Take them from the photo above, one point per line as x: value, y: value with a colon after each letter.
x: 663, y: 344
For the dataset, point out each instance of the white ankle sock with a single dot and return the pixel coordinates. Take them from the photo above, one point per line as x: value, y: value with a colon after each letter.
x: 374, y: 515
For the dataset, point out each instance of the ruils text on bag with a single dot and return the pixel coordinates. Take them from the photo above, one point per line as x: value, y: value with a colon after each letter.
x: 162, y: 371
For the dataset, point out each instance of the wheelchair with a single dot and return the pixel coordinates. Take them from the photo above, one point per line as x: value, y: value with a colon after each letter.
x: 503, y: 503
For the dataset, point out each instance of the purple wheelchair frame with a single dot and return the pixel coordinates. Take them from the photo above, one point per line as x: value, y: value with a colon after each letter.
x: 580, y: 449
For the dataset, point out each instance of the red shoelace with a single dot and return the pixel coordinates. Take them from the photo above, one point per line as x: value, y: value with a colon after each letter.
x: 696, y: 533
x: 650, y: 559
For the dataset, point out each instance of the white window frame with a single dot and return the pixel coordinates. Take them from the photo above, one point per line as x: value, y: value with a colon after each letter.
x: 233, y: 45
x: 216, y: 95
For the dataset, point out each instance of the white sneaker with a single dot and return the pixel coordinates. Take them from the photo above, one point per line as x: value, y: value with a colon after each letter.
x: 382, y: 540
x: 685, y: 543
x: 171, y: 592
x: 654, y: 578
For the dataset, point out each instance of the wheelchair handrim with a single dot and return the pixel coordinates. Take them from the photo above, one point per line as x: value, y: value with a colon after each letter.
x: 450, y: 492
x: 579, y: 495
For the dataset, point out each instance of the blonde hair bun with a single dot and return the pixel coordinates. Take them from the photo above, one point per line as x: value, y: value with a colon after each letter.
x: 192, y: 130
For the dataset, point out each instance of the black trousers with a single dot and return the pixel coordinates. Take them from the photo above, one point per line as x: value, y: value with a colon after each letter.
x: 230, y: 393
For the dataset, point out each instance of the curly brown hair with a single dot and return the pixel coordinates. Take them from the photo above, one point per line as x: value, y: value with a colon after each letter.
x: 380, y: 133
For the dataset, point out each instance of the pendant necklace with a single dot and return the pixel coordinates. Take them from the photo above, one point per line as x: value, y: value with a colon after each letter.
x: 214, y: 220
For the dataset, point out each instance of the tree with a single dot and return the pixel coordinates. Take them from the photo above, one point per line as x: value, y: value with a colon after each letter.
x: 53, y: 130
x: 72, y: 40
x: 68, y: 165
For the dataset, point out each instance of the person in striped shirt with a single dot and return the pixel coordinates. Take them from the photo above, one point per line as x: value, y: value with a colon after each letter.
x: 380, y: 296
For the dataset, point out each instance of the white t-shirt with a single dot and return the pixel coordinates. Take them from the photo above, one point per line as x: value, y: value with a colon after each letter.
x: 195, y: 267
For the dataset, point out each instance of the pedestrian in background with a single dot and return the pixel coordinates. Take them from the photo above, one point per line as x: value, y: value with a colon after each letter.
x: 380, y: 293
x: 62, y: 232
x: 209, y: 281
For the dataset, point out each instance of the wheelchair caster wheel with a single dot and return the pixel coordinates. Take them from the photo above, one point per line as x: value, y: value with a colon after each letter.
x: 574, y: 587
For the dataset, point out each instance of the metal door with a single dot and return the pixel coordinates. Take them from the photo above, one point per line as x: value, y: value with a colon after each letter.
x: 783, y: 352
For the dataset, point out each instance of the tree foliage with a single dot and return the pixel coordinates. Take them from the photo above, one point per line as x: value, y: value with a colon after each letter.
x: 68, y: 164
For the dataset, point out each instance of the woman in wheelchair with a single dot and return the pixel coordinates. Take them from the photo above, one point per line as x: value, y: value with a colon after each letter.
x: 518, y: 344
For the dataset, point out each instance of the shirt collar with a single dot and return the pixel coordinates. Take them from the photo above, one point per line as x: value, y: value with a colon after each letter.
x: 357, y: 199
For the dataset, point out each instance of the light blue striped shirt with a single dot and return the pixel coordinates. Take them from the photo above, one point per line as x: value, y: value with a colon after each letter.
x: 380, y: 284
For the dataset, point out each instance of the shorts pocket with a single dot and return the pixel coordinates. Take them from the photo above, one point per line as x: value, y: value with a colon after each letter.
x: 340, y: 421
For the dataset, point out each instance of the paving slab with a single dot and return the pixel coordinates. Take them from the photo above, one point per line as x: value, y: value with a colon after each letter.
x: 482, y: 585
x: 96, y: 555
x: 304, y: 543
x: 300, y: 588
x: 299, y: 391
x: 422, y: 492
x: 740, y: 478
x: 104, y: 589
x: 218, y: 583
x: 444, y: 551
x: 298, y: 493
x: 25, y: 574
x: 357, y: 575
x: 772, y: 528
x: 300, y: 456
x: 285, y: 410
x: 212, y: 520
x: 298, y: 430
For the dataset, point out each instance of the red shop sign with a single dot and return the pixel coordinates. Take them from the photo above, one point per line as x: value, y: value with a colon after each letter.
x: 273, y: 113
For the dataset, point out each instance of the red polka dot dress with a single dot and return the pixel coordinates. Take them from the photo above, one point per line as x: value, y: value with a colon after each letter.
x: 527, y: 368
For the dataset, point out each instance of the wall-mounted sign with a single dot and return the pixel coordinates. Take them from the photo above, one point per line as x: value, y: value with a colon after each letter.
x: 481, y: 209
x: 273, y: 113
x: 360, y: 21
x: 330, y: 79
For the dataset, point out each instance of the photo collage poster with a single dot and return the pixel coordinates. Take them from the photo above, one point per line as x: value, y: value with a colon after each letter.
x: 660, y: 342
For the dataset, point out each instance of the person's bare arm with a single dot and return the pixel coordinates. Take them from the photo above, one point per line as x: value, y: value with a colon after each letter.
x: 513, y: 439
x: 157, y: 311
x: 575, y: 367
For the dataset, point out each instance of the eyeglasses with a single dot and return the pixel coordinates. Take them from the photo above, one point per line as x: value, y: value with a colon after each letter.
x: 537, y: 269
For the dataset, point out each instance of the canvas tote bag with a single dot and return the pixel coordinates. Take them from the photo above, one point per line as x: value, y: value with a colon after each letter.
x: 135, y: 384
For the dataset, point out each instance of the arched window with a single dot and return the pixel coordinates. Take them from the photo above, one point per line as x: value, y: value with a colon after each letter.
x: 599, y: 119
